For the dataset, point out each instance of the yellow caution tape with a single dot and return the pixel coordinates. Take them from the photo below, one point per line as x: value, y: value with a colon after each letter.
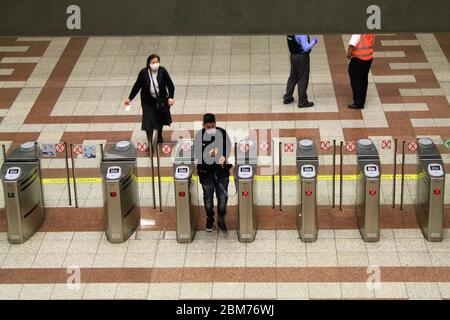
x: 345, y: 177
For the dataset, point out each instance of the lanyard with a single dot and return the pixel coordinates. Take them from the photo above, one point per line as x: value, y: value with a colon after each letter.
x: 151, y: 80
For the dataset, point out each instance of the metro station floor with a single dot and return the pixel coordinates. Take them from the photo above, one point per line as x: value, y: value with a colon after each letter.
x: 72, y: 89
x: 276, y: 265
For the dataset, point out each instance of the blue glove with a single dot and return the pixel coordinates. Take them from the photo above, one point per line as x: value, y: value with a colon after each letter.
x: 315, y: 40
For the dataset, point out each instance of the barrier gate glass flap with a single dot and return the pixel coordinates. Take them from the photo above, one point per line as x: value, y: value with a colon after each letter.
x: 368, y: 190
x: 430, y: 190
x: 22, y: 186
x: 245, y: 171
x: 120, y: 190
x: 307, y: 166
x: 186, y: 191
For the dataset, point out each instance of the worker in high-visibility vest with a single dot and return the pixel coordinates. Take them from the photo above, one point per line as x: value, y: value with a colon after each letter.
x: 360, y: 53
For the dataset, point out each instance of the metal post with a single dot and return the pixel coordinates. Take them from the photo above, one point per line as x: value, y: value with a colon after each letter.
x: 153, y: 174
x: 341, y: 158
x: 73, y: 175
x: 395, y: 174
x: 159, y: 178
x: 69, y: 191
x: 40, y: 170
x: 4, y: 152
x: 280, y: 160
x: 403, y: 175
x: 273, y: 174
x: 333, y: 194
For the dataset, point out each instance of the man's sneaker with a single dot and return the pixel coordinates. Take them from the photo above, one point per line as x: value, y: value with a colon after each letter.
x: 288, y: 100
x: 209, y: 225
x: 354, y: 106
x: 222, y: 226
x: 306, y: 105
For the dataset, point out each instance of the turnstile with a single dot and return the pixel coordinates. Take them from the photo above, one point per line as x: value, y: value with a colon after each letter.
x: 186, y: 192
x: 307, y: 166
x: 368, y: 190
x: 120, y: 191
x: 246, y: 160
x: 430, y: 190
x: 24, y: 204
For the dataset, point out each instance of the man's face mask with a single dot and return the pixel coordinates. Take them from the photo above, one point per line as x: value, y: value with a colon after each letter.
x: 154, y: 66
x: 210, y: 129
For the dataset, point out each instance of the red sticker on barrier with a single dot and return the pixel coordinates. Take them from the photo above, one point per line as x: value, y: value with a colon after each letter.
x: 264, y: 146
x: 166, y: 148
x: 325, y: 145
x: 288, y: 147
x: 141, y: 146
x: 350, y: 146
x: 60, y: 147
x: 245, y: 147
x: 412, y: 146
x: 186, y: 146
x: 437, y: 191
x: 308, y: 193
x: 386, y: 144
x: 113, y: 194
x: 77, y: 149
x: 372, y: 192
x: 245, y: 193
x: 181, y: 194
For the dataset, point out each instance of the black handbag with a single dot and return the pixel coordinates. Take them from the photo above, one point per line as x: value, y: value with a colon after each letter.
x: 162, y: 103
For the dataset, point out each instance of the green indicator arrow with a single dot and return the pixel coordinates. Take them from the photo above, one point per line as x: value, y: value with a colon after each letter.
x: 447, y: 143
x: 10, y: 194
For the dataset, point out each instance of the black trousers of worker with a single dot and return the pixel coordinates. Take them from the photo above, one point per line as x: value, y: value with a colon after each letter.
x: 299, y: 76
x: 358, y: 71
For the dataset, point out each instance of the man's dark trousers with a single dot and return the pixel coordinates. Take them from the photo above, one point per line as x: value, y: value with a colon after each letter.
x: 210, y: 184
x: 358, y: 71
x: 299, y: 76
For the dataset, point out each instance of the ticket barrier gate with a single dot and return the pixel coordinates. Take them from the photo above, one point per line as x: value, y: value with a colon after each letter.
x: 186, y: 192
x: 246, y: 160
x: 120, y: 191
x: 430, y: 190
x: 22, y: 186
x: 307, y: 166
x: 368, y: 190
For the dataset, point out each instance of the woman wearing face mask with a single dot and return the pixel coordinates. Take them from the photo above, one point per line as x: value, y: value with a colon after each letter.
x: 154, y: 83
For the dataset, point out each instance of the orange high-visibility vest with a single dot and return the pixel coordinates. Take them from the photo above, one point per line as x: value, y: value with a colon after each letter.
x: 364, y: 48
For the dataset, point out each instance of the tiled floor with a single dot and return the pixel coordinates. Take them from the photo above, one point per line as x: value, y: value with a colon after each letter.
x: 72, y: 89
x: 45, y: 266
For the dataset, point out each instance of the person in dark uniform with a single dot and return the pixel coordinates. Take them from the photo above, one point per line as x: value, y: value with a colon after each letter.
x: 153, y: 81
x: 299, y: 46
x: 212, y: 147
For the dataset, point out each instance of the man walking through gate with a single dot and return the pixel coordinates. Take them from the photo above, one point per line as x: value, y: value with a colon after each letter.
x: 212, y: 147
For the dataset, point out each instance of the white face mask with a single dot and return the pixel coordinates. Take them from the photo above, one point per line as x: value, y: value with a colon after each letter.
x: 154, y: 66
x: 211, y: 131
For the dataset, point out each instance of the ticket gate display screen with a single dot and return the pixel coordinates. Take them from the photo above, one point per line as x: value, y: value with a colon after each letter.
x: 435, y: 170
x: 371, y: 170
x: 13, y: 173
x: 114, y: 173
x: 182, y: 172
x: 308, y: 171
x: 245, y: 172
